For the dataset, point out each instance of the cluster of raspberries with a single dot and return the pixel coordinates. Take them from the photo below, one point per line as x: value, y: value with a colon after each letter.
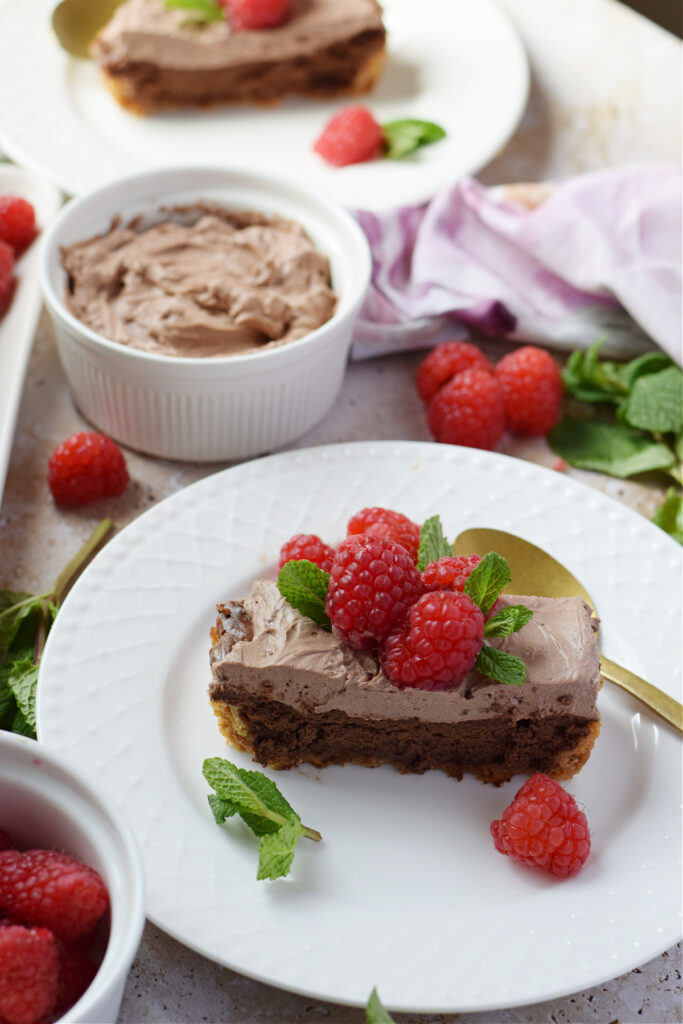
x: 425, y: 629
x: 50, y: 906
x: 472, y: 402
x: 17, y: 231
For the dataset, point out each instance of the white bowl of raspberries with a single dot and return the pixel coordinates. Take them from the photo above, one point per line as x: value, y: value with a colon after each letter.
x: 71, y: 892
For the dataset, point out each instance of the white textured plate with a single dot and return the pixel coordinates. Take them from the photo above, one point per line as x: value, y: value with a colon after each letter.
x: 455, y: 62
x: 18, y: 325
x: 406, y: 892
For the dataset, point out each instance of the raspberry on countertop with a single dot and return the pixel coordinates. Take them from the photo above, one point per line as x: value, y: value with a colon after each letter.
x: 85, y: 467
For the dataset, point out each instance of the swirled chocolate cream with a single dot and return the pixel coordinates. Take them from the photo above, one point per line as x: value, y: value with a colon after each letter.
x: 289, y: 691
x: 154, y: 57
x: 206, y: 281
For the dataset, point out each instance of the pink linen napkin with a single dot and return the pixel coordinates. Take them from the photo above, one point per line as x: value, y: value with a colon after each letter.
x: 559, y: 264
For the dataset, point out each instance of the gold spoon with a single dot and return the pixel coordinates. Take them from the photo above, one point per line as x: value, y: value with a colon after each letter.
x: 77, y: 22
x: 536, y: 572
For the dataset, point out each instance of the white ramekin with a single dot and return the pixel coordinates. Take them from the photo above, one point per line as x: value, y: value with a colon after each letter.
x: 46, y: 804
x: 222, y: 407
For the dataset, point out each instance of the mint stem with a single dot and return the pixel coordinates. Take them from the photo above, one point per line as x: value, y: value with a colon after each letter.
x: 311, y: 833
x: 70, y: 572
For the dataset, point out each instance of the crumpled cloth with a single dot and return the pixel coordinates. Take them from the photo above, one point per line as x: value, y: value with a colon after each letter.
x: 559, y: 264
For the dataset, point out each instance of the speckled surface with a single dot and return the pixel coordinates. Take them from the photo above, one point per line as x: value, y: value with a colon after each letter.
x: 605, y: 90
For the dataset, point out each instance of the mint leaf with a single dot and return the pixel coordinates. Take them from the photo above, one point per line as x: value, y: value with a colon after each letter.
x: 221, y: 809
x: 21, y: 727
x: 201, y: 10
x: 656, y: 402
x: 22, y: 681
x: 407, y: 135
x: 593, y: 380
x: 433, y: 544
x: 276, y: 851
x: 500, y: 666
x: 608, y: 447
x: 487, y: 579
x: 669, y: 515
x: 15, y: 607
x: 509, y: 620
x: 304, y: 586
x: 375, y: 1012
x: 8, y: 702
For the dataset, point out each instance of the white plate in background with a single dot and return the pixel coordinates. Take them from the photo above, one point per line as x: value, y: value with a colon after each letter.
x: 406, y: 892
x: 18, y: 325
x: 458, y: 63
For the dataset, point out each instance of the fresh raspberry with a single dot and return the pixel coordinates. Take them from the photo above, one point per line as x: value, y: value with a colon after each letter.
x: 44, y: 887
x: 383, y: 522
x: 255, y: 14
x: 449, y: 573
x: 373, y: 583
x: 446, y: 361
x: 350, y: 137
x: 5, y: 842
x: 532, y: 389
x: 7, y: 279
x: 440, y: 644
x: 468, y: 410
x: 28, y: 974
x: 544, y: 828
x: 310, y: 546
x: 86, y: 467
x: 75, y: 973
x: 17, y: 222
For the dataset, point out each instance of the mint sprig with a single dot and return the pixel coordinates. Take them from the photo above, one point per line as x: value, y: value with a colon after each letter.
x: 25, y: 621
x: 304, y: 586
x: 262, y: 807
x: 509, y: 620
x: 408, y: 134
x: 669, y: 515
x: 433, y: 544
x: 483, y: 586
x: 201, y: 11
x: 375, y: 1012
x: 487, y: 579
x: 501, y: 666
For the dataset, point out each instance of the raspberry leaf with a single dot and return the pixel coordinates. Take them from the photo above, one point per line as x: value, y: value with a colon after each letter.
x: 407, y: 135
x: 433, y: 544
x: 304, y: 586
x: 487, y: 579
x: 201, y: 11
x: 375, y: 1012
x: 509, y: 620
x: 276, y: 851
x: 500, y: 666
x: 612, y: 448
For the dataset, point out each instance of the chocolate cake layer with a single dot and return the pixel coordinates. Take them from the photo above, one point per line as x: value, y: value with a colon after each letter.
x: 152, y: 59
x: 291, y: 692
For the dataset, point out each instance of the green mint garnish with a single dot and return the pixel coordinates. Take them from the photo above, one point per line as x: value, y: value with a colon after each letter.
x: 500, y: 666
x: 487, y: 579
x: 375, y: 1012
x: 509, y: 620
x: 656, y: 402
x: 304, y: 586
x: 669, y: 515
x: 612, y: 448
x: 262, y: 807
x: 405, y: 136
x: 202, y: 11
x: 25, y: 621
x: 433, y: 544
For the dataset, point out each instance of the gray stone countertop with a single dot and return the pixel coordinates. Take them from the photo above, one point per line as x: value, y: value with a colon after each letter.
x: 605, y: 91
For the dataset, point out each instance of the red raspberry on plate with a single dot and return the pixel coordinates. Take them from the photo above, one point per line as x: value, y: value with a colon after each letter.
x: 75, y: 972
x: 440, y: 644
x: 532, y: 389
x: 373, y: 583
x: 85, y: 467
x: 450, y: 572
x: 28, y: 974
x: 544, y: 828
x: 17, y: 222
x: 310, y: 546
x: 469, y: 410
x: 255, y: 14
x: 384, y: 522
x: 7, y: 279
x: 51, y: 889
x: 350, y: 137
x: 446, y: 361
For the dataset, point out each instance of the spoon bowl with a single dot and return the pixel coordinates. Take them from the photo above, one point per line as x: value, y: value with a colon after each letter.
x: 537, y: 573
x: 77, y: 22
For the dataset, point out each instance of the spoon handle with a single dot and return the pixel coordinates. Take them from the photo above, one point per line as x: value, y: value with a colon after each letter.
x: 660, y: 702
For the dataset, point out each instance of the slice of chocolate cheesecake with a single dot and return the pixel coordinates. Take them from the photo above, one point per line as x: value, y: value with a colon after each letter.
x: 289, y: 692
x: 154, y: 58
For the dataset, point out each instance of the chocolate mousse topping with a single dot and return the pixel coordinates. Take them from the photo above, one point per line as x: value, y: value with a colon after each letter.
x: 290, y: 691
x: 206, y: 281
